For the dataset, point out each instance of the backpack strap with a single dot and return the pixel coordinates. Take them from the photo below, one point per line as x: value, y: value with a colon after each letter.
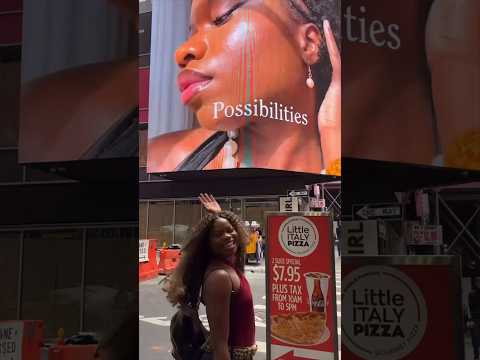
x: 192, y: 312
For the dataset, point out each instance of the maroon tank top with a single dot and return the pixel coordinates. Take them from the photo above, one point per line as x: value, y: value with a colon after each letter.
x: 242, y: 316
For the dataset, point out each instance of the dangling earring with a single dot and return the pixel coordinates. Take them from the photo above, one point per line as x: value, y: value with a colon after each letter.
x: 310, y: 83
x: 231, y: 148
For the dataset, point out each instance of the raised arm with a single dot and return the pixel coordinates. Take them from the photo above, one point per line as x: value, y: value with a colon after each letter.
x: 209, y: 203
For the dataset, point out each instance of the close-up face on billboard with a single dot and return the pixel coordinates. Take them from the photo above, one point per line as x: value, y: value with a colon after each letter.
x: 79, y: 81
x: 412, y: 71
x: 251, y: 84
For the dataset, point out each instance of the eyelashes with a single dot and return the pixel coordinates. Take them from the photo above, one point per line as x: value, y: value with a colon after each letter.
x: 222, y: 19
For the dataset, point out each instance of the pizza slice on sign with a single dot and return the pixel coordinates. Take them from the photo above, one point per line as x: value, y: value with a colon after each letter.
x: 299, y: 328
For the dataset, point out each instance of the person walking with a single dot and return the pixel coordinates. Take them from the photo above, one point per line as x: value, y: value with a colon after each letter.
x: 259, y: 246
x: 211, y: 270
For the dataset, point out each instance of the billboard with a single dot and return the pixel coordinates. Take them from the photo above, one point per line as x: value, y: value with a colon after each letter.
x: 79, y: 93
x: 392, y: 308
x: 412, y: 82
x: 246, y: 84
x: 301, y: 310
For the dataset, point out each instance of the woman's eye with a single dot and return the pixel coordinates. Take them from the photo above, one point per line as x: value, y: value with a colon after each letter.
x: 220, y: 20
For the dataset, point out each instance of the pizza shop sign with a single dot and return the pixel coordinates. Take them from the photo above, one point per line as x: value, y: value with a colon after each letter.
x: 298, y: 236
x: 384, y: 311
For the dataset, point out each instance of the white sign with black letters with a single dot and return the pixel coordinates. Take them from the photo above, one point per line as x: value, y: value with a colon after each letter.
x: 359, y: 237
x: 288, y: 204
x: 297, y: 192
x: 143, y: 250
x: 11, y: 335
x: 387, y: 211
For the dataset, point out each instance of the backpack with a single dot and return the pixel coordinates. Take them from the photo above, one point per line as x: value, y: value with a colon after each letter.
x: 187, y: 334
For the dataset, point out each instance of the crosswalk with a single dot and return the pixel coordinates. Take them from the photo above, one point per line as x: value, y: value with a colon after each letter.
x: 260, y: 321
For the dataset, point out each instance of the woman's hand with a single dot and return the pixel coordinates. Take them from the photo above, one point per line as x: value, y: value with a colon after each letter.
x: 330, y: 113
x: 209, y: 203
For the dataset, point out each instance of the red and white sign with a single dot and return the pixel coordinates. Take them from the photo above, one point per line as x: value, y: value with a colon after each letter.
x: 301, y: 300
x: 425, y: 235
x: 143, y: 247
x: 20, y: 340
x: 392, y: 309
x: 317, y: 203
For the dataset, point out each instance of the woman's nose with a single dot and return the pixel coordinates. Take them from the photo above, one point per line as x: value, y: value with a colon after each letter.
x: 192, y: 49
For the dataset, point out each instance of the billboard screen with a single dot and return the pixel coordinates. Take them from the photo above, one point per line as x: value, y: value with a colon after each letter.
x: 79, y: 93
x: 244, y: 84
x: 412, y: 76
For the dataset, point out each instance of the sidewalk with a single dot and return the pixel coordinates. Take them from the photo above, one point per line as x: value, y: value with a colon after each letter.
x: 260, y: 268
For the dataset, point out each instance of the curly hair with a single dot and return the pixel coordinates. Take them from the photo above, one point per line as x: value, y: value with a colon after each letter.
x: 184, y: 283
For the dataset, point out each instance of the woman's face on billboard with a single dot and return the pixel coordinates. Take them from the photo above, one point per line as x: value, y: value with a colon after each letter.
x: 239, y: 51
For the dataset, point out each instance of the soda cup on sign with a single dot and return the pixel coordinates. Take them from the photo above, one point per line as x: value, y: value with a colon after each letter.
x: 317, y: 287
x: 317, y: 300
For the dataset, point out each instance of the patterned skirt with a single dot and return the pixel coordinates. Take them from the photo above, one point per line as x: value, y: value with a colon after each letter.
x: 236, y: 353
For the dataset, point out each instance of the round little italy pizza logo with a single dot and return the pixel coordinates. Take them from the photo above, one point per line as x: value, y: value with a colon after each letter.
x: 298, y: 236
x: 384, y: 314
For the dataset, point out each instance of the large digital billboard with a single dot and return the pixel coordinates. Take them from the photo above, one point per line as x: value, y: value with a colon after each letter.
x: 79, y: 92
x: 411, y: 73
x: 245, y: 84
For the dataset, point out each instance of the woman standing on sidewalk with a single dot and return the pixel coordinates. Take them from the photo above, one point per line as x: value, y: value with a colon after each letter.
x: 211, y: 271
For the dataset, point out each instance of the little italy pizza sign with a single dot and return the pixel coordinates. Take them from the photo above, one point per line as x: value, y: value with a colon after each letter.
x: 384, y: 315
x: 301, y: 311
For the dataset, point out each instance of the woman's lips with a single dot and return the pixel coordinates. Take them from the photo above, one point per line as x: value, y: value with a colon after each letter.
x: 230, y: 245
x: 190, y: 83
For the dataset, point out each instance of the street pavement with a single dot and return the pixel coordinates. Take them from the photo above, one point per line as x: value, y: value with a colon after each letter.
x: 155, y: 314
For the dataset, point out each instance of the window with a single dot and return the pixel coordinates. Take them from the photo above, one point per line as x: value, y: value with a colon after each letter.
x: 52, y: 273
x: 160, y: 220
x: 111, y: 277
x: 9, y: 268
x: 236, y: 206
x: 255, y: 211
x: 187, y: 215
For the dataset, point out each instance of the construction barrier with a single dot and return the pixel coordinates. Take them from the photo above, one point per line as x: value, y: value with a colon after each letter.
x: 169, y: 259
x: 21, y: 339
x: 148, y: 266
x: 72, y: 352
